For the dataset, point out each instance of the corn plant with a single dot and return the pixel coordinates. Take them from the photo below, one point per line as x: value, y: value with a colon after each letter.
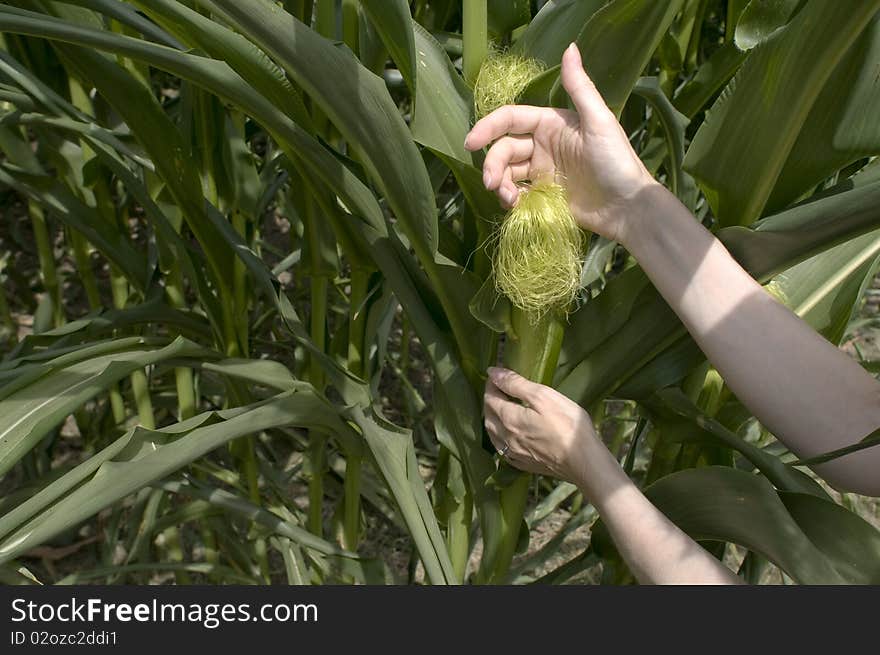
x: 229, y: 387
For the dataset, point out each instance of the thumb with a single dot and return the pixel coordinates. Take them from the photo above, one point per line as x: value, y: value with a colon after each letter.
x: 514, y: 385
x: 583, y: 93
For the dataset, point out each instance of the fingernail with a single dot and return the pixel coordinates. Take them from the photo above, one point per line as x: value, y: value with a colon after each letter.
x: 487, y: 179
x: 494, y: 373
x: 466, y: 140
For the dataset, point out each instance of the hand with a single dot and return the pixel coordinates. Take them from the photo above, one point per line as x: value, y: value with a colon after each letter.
x: 588, y: 149
x: 550, y: 436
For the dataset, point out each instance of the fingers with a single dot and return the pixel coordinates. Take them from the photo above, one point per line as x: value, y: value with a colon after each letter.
x: 520, y: 171
x: 508, y: 192
x: 510, y: 119
x: 583, y: 93
x: 506, y: 151
x: 515, y: 385
x: 497, y: 405
x: 496, y: 431
x: 503, y: 440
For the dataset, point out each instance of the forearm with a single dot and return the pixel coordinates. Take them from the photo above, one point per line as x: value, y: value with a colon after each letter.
x: 655, y: 549
x: 801, y: 387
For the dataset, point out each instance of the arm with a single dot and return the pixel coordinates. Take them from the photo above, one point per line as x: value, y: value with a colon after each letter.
x: 802, y: 388
x: 808, y: 393
x: 554, y: 436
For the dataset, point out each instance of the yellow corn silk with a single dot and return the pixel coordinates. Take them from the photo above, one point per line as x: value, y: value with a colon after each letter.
x: 502, y: 79
x: 539, y: 246
x: 539, y: 251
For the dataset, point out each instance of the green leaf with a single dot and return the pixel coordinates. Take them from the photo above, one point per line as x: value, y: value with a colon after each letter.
x: 58, y: 199
x: 777, y: 242
x: 753, y: 126
x: 673, y: 402
x: 358, y: 104
x: 635, y: 27
x: 507, y: 15
x: 392, y: 21
x: 443, y: 102
x: 243, y: 55
x: 141, y: 457
x: 850, y: 542
x: 841, y: 127
x: 710, y: 77
x: 492, y: 309
x: 557, y: 24
x: 396, y: 458
x: 220, y: 79
x: 613, y: 338
x: 674, y: 125
x: 236, y: 505
x: 30, y: 411
x: 722, y: 504
x: 539, y: 89
x: 760, y: 19
x: 360, y: 107
x: 122, y: 12
x: 825, y: 289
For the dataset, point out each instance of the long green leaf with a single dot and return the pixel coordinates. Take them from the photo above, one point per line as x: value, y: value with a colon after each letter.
x: 146, y: 456
x: 631, y: 26
x: 753, y: 126
x: 842, y: 125
x: 719, y: 503
x: 557, y: 24
x: 31, y: 411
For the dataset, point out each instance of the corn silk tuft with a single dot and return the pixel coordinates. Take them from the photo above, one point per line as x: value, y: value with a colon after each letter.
x: 502, y: 79
x: 539, y: 251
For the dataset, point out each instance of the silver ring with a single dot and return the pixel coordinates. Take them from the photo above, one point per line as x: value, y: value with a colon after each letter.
x: 503, y: 451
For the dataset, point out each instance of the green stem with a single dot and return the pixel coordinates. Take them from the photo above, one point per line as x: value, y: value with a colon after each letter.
x: 696, y: 33
x: 317, y: 440
x: 205, y: 123
x: 140, y: 388
x: 174, y: 550
x: 239, y: 285
x: 351, y: 526
x: 252, y: 475
x: 350, y: 24
x: 47, y: 261
x: 357, y: 341
x: 245, y: 447
x: 5, y: 313
x: 405, y: 337
x: 325, y: 18
x: 325, y: 25
x: 80, y: 248
x: 533, y: 351
x: 734, y: 11
x: 458, y: 527
x: 475, y: 34
x: 357, y: 364
x: 296, y: 8
x: 119, y: 293
x: 187, y: 402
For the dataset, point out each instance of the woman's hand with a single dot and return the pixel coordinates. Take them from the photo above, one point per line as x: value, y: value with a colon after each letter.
x: 588, y: 149
x: 549, y: 435
x: 554, y: 436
